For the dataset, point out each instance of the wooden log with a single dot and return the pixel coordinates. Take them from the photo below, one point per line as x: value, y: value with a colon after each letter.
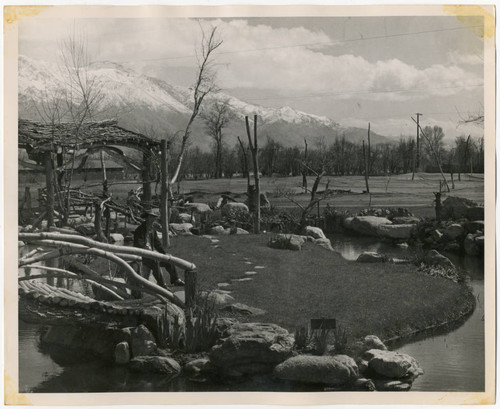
x: 178, y: 262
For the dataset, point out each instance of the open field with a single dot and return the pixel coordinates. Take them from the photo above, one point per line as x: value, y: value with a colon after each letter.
x: 392, y: 191
x: 294, y: 286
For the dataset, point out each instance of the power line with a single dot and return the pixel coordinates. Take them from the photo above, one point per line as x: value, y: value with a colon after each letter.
x: 311, y: 44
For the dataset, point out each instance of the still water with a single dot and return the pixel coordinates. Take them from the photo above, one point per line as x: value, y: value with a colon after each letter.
x: 452, y: 362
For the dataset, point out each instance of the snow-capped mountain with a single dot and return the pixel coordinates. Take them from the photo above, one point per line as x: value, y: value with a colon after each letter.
x: 152, y: 106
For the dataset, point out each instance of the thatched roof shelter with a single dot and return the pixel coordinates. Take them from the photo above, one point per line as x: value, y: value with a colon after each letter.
x: 41, y: 137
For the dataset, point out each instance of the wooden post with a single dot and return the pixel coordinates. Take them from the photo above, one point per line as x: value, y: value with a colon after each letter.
x: 104, y: 177
x: 304, y: 170
x: 254, y: 148
x: 369, y: 155
x: 146, y: 185
x: 50, y: 189
x: 190, y: 288
x: 164, y: 194
x: 366, y: 169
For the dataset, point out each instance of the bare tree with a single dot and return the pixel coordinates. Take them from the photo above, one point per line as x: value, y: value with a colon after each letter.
x: 82, y: 95
x: 216, y: 118
x: 204, y: 85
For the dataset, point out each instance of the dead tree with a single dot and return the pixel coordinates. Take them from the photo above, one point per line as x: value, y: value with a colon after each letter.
x: 244, y: 152
x: 254, y: 149
x: 436, y: 156
x: 366, y: 168
x: 304, y: 170
x: 204, y: 85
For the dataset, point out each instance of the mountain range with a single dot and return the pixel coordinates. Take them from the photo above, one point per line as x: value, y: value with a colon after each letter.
x: 155, y: 107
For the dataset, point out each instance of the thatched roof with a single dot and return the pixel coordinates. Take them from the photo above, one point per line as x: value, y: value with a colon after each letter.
x: 38, y: 136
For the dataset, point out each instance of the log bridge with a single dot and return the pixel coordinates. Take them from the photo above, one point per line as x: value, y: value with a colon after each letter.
x: 41, y: 302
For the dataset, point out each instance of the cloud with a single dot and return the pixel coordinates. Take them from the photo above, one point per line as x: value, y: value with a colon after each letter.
x: 457, y: 58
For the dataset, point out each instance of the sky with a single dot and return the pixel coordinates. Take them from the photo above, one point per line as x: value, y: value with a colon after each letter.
x: 354, y: 70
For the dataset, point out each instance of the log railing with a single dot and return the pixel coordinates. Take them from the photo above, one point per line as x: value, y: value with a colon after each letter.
x: 69, y: 244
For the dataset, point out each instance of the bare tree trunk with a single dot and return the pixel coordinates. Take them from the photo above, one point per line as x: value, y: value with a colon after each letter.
x: 304, y: 170
x: 254, y: 149
x: 245, y: 162
x: 50, y: 189
x: 366, y: 169
x: 164, y: 195
x: 146, y: 185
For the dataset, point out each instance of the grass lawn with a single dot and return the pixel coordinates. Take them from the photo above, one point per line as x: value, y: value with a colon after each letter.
x: 294, y: 286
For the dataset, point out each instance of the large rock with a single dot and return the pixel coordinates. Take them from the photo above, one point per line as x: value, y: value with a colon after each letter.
x: 371, y: 257
x: 392, y: 364
x: 231, y: 209
x: 325, y: 243
x: 454, y: 231
x: 406, y: 220
x: 329, y: 370
x: 475, y: 213
x: 456, y: 207
x: 242, y: 309
x: 198, y: 207
x: 287, y: 242
x: 122, y: 353
x: 142, y: 341
x: 472, y: 247
x: 314, y: 232
x: 475, y: 226
x: 373, y: 342
x: 116, y: 238
x: 368, y: 225
x: 434, y: 258
x: 185, y: 218
x: 197, y: 366
x: 181, y: 228
x: 216, y: 230
x: 251, y: 348
x: 396, y: 231
x: 348, y: 222
x: 235, y: 230
x: 155, y: 364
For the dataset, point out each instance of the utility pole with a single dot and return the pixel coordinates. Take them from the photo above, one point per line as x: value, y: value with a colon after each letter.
x: 418, y: 142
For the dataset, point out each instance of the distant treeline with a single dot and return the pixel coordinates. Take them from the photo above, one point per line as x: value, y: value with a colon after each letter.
x: 340, y: 158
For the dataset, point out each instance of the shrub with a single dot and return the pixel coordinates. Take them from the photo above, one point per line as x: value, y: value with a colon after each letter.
x: 201, y: 325
x: 320, y: 340
x: 301, y: 337
x: 170, y: 333
x: 340, y: 342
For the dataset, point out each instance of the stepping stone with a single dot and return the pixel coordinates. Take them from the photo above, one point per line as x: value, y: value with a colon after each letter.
x: 259, y: 267
x: 242, y: 279
x: 214, y: 240
x: 221, y: 291
x: 223, y: 284
x: 250, y: 273
x: 248, y: 262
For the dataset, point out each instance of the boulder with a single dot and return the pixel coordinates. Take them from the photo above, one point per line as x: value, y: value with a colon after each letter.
x: 391, y: 385
x: 436, y: 235
x: 470, y: 246
x: 455, y: 207
x: 87, y: 229
x: 251, y: 348
x: 198, y: 207
x: 361, y: 346
x: 287, y: 242
x: 235, y: 230
x: 363, y: 384
x: 116, y: 237
x: 329, y: 370
x: 314, y: 232
x: 142, y: 341
x: 185, y: 218
x: 371, y: 257
x: 392, y: 364
x: 474, y: 226
x: 368, y: 225
x: 406, y: 220
x: 218, y: 297
x: 197, y: 366
x: 181, y: 228
x: 475, y: 213
x: 232, y: 208
x: 243, y: 309
x: 155, y: 364
x: 347, y: 222
x: 434, y: 258
x: 325, y: 243
x: 453, y: 247
x: 216, y: 230
x: 373, y: 342
x: 122, y: 353
x: 395, y: 231
x: 454, y: 231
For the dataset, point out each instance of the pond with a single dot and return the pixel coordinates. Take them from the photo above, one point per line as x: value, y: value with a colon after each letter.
x: 453, y: 361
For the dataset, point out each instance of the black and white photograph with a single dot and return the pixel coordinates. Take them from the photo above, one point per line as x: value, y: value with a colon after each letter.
x: 250, y: 200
